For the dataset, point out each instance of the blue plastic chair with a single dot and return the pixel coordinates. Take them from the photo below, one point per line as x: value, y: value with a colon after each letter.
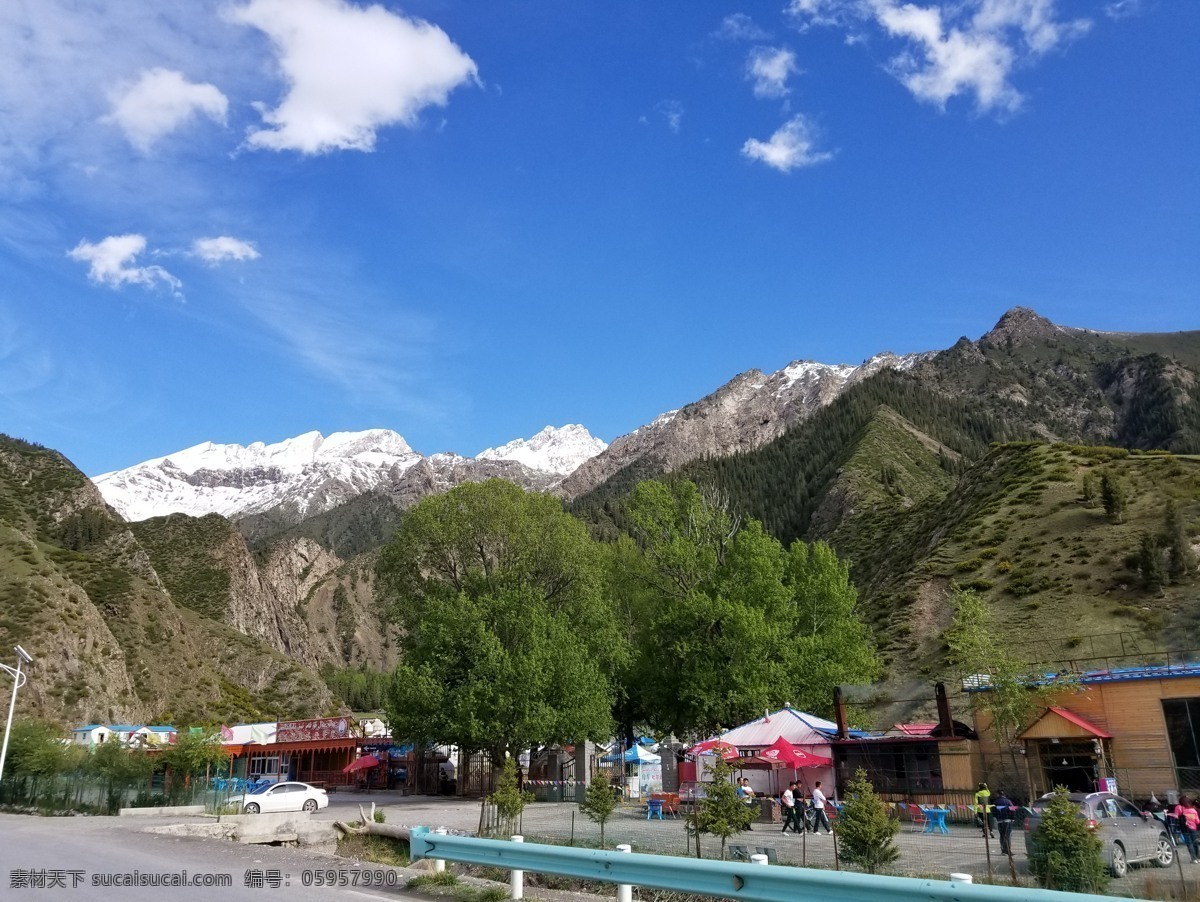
x: 654, y: 809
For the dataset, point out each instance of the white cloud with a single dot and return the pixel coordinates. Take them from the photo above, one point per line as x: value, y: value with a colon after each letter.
x: 159, y: 102
x: 770, y: 68
x: 820, y: 12
x: 222, y: 248
x: 1122, y: 9
x: 950, y: 61
x: 740, y: 27
x: 963, y: 48
x: 350, y: 71
x: 1033, y: 19
x: 793, y: 146
x: 672, y: 111
x: 111, y: 261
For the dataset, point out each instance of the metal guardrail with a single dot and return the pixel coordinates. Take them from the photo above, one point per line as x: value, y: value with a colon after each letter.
x: 743, y: 881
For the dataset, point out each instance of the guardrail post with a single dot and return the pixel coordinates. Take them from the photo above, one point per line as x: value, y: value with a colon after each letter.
x: 439, y: 864
x: 758, y: 859
x: 961, y: 878
x: 516, y: 879
x: 624, y: 890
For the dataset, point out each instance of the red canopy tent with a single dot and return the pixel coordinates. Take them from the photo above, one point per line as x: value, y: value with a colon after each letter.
x: 782, y: 754
x: 783, y: 751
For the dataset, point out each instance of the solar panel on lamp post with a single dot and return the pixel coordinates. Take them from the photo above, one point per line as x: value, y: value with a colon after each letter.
x: 18, y: 681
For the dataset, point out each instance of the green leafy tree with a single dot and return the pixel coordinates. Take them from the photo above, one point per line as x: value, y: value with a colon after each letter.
x: 118, y: 769
x: 508, y: 798
x: 1010, y: 701
x: 36, y: 755
x: 866, y: 833
x: 190, y: 757
x: 830, y: 645
x: 509, y: 640
x: 721, y: 812
x: 728, y: 623
x: 1115, y: 496
x: 599, y: 803
x: 1064, y: 853
x: 1090, y: 490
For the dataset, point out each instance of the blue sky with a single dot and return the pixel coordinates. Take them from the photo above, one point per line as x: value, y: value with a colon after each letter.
x: 240, y: 221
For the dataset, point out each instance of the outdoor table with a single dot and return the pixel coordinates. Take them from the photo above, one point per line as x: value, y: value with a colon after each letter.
x: 935, y: 820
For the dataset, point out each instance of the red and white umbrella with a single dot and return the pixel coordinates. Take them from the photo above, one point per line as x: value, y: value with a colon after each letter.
x: 715, y: 747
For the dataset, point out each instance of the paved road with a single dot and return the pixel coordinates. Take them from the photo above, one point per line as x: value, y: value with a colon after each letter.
x: 44, y: 859
x: 84, y: 849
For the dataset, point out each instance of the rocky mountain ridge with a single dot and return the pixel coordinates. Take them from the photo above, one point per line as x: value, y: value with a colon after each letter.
x: 743, y: 414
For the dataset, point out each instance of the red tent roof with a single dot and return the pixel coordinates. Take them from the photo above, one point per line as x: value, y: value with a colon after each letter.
x: 784, y: 752
x: 714, y: 747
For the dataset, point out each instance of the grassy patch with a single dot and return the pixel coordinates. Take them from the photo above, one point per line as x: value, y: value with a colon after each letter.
x: 376, y: 849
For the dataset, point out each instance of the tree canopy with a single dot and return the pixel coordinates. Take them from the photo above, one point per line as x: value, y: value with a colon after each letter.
x: 509, y: 641
x: 729, y: 622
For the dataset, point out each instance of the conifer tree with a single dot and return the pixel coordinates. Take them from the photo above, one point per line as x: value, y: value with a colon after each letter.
x: 598, y: 803
x: 1149, y: 563
x: 866, y: 833
x: 1181, y: 560
x: 721, y: 812
x: 1064, y: 853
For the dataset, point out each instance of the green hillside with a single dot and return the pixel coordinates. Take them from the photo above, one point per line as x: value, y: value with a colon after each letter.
x: 78, y: 590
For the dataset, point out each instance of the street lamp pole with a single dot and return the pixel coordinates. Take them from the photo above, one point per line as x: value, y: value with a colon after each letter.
x: 18, y: 681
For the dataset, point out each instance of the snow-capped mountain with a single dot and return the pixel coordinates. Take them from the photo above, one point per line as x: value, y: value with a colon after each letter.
x: 748, y: 411
x: 552, y: 450
x: 309, y: 474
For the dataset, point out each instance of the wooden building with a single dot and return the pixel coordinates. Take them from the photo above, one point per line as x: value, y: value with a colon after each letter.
x: 925, y: 764
x: 1137, y: 726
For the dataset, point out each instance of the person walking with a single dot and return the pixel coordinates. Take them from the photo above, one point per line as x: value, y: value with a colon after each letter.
x: 788, y: 800
x: 819, y: 816
x: 1187, y: 822
x: 983, y: 810
x: 1004, y: 812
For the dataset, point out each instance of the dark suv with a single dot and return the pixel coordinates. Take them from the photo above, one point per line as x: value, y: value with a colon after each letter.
x: 1128, y: 834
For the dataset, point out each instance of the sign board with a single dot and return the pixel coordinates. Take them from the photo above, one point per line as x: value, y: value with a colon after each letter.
x: 1109, y: 784
x: 311, y: 730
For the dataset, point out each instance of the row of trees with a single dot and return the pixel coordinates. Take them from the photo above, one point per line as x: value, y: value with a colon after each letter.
x: 521, y: 629
x: 45, y: 771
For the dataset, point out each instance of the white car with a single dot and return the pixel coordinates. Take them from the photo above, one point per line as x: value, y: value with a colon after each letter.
x: 281, y: 797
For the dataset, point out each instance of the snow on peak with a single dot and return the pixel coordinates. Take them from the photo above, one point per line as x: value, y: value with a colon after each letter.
x: 801, y: 370
x: 235, y: 480
x: 560, y: 450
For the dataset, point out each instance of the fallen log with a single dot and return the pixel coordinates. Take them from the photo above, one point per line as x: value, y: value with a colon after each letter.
x: 368, y: 825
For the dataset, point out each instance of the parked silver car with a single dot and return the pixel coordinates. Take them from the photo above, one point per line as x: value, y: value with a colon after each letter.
x: 1128, y: 834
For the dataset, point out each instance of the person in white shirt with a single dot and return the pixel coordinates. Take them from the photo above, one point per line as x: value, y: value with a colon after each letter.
x: 820, y: 817
x: 788, y: 800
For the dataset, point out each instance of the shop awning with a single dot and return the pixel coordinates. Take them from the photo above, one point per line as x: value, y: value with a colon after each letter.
x: 361, y: 764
